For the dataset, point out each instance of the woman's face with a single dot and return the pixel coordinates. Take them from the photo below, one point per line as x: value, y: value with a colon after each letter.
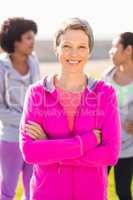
x: 73, y: 51
x: 117, y: 52
x: 26, y: 44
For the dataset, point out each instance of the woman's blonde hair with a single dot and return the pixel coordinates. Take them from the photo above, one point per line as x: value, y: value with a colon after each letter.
x: 74, y: 24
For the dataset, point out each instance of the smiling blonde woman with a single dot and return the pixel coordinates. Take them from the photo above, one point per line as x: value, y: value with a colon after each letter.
x: 70, y: 125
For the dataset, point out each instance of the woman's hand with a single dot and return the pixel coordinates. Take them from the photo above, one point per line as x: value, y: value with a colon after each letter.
x: 98, y: 134
x: 35, y: 131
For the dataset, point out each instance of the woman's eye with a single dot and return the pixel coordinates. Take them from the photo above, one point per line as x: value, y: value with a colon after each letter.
x: 66, y: 46
x: 82, y: 47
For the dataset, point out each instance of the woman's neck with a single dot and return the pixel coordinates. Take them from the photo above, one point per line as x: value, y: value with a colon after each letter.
x: 20, y: 63
x: 71, y: 82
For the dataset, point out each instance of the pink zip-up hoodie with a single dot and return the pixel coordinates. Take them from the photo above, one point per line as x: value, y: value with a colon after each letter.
x: 71, y: 165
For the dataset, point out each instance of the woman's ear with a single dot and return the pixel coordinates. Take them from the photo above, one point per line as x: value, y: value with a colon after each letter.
x: 129, y: 50
x: 16, y: 44
x: 56, y: 52
x: 89, y: 54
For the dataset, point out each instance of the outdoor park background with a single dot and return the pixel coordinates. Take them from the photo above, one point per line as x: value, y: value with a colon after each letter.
x: 108, y: 18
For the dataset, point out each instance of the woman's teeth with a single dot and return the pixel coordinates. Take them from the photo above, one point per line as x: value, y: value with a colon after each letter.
x: 73, y: 62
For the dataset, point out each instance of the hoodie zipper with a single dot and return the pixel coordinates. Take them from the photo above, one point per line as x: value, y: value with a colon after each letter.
x: 72, y: 183
x: 65, y: 117
x: 59, y: 168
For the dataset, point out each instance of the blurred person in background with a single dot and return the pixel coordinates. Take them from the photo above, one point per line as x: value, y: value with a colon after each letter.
x: 18, y: 69
x: 120, y: 75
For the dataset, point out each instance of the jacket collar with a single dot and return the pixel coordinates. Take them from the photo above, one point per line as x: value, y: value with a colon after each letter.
x: 48, y: 83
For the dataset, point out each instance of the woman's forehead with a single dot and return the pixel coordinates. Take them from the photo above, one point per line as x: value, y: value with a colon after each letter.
x: 74, y: 35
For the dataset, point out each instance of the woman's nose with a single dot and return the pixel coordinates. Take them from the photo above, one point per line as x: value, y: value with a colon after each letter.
x: 74, y: 52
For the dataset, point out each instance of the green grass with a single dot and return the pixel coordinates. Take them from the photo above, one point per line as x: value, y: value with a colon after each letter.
x: 111, y: 189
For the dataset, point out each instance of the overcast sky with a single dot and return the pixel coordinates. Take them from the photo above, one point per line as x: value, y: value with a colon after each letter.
x: 107, y: 17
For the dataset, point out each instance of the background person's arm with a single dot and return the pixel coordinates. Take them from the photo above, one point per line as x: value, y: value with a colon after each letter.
x: 7, y: 116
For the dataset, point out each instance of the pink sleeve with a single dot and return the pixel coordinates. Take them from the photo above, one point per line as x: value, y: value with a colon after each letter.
x: 107, y: 153
x: 53, y: 150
